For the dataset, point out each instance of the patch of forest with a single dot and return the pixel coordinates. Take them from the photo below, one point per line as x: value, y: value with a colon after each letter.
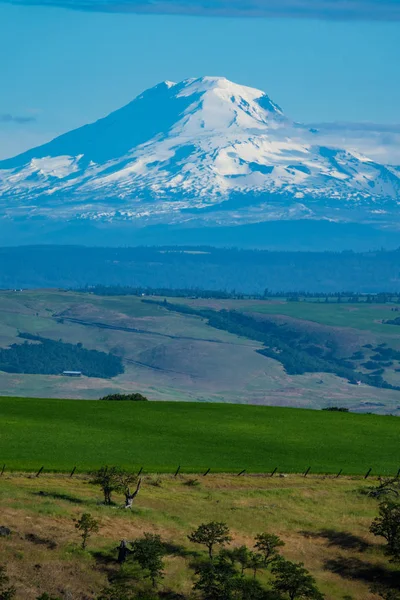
x: 200, y: 267
x: 291, y: 296
x: 299, y: 352
x: 42, y: 356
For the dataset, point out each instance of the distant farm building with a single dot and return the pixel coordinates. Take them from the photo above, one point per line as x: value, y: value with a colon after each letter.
x: 72, y: 373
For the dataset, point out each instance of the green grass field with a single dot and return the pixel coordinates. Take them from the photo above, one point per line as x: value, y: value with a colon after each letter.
x: 159, y: 436
x: 362, y: 316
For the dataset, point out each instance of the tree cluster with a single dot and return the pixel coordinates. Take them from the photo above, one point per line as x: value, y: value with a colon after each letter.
x: 299, y: 352
x: 201, y: 267
x: 134, y: 397
x: 114, y: 479
x: 39, y: 355
x: 230, y: 574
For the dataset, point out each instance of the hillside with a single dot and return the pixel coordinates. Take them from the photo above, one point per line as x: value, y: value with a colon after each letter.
x: 323, y: 523
x: 61, y: 434
x: 169, y: 355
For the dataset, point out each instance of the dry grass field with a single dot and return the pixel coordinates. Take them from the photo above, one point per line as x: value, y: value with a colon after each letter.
x: 323, y: 521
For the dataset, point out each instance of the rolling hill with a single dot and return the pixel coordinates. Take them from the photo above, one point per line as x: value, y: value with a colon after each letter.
x: 169, y: 355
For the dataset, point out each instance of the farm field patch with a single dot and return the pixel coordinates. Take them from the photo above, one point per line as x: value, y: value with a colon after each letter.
x: 159, y: 436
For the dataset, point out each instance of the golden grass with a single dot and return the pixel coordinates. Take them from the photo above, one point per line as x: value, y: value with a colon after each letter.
x: 320, y: 519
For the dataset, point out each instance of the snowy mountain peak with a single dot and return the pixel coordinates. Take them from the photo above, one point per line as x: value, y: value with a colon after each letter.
x: 203, y: 148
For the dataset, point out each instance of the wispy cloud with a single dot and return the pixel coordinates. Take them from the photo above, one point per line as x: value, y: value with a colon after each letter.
x: 362, y: 126
x: 381, y: 142
x: 8, y: 118
x: 384, y: 10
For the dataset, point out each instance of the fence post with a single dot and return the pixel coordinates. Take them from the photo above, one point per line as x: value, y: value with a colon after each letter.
x: 340, y: 472
x: 2, y: 471
x: 307, y: 472
x: 40, y: 470
x: 241, y: 472
x: 368, y: 473
x: 177, y: 471
x: 274, y: 471
x: 73, y: 471
x: 207, y: 472
x: 398, y: 474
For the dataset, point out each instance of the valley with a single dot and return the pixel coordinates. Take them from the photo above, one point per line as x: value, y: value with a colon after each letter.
x: 169, y: 355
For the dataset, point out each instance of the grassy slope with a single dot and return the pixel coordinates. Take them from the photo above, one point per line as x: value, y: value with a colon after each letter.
x: 362, y: 315
x: 323, y: 522
x: 227, y: 369
x: 161, y: 435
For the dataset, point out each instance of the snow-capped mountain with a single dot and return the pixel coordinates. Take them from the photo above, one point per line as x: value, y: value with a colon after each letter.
x: 204, y: 150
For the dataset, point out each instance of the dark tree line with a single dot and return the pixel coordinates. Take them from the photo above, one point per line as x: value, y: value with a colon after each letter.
x: 200, y: 267
x: 299, y: 352
x: 39, y: 355
x: 219, y: 294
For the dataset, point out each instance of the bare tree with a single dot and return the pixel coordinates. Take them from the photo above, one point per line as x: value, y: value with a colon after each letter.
x: 129, y: 498
x: 388, y: 486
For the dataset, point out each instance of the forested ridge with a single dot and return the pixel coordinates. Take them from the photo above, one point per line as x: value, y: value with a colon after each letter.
x: 200, y: 267
x: 299, y: 352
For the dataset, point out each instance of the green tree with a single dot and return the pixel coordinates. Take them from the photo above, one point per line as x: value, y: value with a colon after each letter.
x: 255, y: 562
x: 211, y: 534
x: 87, y: 525
x: 241, y: 555
x: 7, y: 592
x: 217, y: 579
x: 251, y: 589
x: 149, y: 551
x: 113, y: 479
x: 385, y: 592
x: 108, y: 478
x: 294, y: 580
x: 387, y: 525
x: 268, y: 544
x: 123, y: 591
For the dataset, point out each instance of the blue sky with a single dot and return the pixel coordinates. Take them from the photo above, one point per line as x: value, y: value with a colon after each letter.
x: 61, y: 68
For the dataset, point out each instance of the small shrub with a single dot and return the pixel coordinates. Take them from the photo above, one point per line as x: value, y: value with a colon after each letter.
x: 155, y: 481
x: 87, y: 525
x: 192, y: 482
x: 7, y: 592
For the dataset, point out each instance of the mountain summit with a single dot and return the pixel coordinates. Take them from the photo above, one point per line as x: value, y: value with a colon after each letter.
x: 203, y: 151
